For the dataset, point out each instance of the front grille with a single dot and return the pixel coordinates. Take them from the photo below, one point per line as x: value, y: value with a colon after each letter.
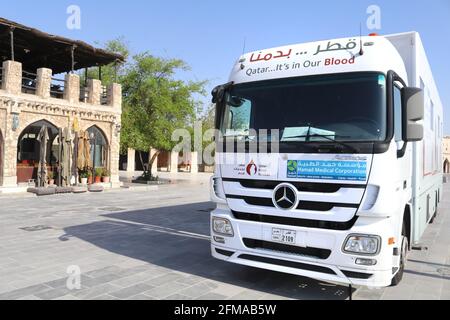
x: 303, y: 205
x: 289, y: 264
x: 357, y: 275
x: 272, y: 246
x: 315, y: 224
x: 328, y: 202
x: 301, y: 186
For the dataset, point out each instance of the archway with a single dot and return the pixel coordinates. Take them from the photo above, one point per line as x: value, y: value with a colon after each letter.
x: 446, y: 166
x: 28, y: 151
x: 1, y: 159
x: 99, y: 148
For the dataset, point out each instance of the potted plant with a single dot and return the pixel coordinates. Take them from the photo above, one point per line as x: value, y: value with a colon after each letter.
x: 98, y: 175
x: 83, y: 177
x: 51, y: 178
x: 106, y: 176
x: 89, y: 175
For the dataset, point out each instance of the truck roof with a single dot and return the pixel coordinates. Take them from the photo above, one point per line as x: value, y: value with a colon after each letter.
x: 320, y: 57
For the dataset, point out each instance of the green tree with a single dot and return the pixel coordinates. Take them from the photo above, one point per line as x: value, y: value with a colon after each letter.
x: 155, y: 104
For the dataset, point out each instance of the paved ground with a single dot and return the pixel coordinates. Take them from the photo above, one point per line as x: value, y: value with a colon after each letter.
x: 141, y: 244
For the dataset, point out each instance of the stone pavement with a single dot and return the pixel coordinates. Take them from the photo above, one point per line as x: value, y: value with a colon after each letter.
x: 138, y: 244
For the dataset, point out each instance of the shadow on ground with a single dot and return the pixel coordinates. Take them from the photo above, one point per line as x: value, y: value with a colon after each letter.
x: 177, y: 238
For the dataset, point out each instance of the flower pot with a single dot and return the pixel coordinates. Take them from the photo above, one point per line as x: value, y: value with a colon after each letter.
x: 84, y: 181
x: 106, y: 179
x: 98, y: 179
x: 89, y: 180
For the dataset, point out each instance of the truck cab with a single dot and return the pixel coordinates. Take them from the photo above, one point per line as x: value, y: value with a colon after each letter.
x: 317, y: 157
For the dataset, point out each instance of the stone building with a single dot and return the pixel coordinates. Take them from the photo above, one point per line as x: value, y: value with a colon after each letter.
x: 446, y: 154
x: 39, y: 87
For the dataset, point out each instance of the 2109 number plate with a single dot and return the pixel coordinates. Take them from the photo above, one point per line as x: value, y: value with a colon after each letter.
x: 284, y: 236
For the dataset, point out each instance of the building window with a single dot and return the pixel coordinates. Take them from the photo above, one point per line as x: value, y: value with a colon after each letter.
x: 99, y: 147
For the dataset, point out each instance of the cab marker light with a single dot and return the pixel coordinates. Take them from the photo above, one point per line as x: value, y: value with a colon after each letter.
x: 371, y: 197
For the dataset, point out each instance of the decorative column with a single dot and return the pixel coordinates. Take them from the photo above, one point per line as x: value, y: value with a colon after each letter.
x: 72, y: 88
x: 12, y: 130
x: 44, y: 79
x: 115, y: 96
x: 12, y: 84
x: 115, y: 155
x: 12, y: 77
x: 94, y: 91
x: 174, y: 162
x: 194, y: 162
x: 131, y: 161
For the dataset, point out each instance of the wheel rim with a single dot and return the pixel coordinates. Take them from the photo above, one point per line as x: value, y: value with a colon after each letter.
x: 403, y: 253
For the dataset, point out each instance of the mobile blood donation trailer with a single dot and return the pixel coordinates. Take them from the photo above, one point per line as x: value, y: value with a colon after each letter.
x: 350, y: 175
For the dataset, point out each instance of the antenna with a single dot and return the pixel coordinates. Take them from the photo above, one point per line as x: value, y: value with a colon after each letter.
x: 361, y: 50
x: 243, y: 48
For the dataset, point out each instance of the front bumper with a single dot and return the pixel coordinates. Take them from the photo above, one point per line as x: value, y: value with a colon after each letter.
x: 338, y: 267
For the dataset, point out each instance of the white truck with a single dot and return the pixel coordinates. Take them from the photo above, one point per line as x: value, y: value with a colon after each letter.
x: 346, y: 173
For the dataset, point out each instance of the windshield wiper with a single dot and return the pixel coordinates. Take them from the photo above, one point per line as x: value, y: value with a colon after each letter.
x: 326, y: 137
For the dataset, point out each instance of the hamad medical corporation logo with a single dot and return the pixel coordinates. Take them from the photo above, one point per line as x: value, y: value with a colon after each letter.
x: 252, y: 168
x: 292, y: 168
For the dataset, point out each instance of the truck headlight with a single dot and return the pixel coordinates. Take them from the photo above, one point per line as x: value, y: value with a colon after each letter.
x: 222, y: 226
x: 362, y: 244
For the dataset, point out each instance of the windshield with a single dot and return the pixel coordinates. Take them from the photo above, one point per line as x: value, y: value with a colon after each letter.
x: 344, y: 107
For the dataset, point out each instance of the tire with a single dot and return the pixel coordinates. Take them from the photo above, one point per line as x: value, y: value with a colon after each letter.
x: 403, y: 256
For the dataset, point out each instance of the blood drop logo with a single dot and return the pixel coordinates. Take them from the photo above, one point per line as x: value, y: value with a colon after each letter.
x: 252, y: 168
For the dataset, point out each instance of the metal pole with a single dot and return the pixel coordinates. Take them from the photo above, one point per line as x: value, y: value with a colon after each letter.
x: 72, y: 54
x: 11, y: 34
x: 59, y: 156
x: 115, y: 71
x: 350, y: 292
x: 100, y: 73
x: 85, y: 76
x: 95, y: 151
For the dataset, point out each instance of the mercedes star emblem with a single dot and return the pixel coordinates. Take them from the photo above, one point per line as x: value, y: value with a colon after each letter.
x: 285, y: 197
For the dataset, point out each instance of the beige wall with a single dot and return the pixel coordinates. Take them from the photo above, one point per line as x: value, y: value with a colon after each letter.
x: 60, y: 112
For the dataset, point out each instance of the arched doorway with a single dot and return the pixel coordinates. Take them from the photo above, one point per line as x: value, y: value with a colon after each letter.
x: 1, y: 159
x: 28, y: 151
x: 99, y: 148
x: 446, y: 166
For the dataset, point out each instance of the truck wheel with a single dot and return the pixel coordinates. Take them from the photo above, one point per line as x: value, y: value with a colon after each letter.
x: 403, y: 255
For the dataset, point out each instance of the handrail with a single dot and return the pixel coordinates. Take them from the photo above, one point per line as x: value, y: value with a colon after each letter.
x: 57, y: 87
x: 84, y: 94
x: 29, y: 82
x: 104, y: 96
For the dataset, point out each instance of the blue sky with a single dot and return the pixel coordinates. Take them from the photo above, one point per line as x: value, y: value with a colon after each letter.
x: 209, y: 35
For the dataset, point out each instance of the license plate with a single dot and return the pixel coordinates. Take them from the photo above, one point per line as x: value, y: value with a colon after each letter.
x: 284, y: 236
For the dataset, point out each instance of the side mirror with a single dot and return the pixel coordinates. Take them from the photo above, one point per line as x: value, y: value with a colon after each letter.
x: 413, y: 112
x: 218, y: 97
